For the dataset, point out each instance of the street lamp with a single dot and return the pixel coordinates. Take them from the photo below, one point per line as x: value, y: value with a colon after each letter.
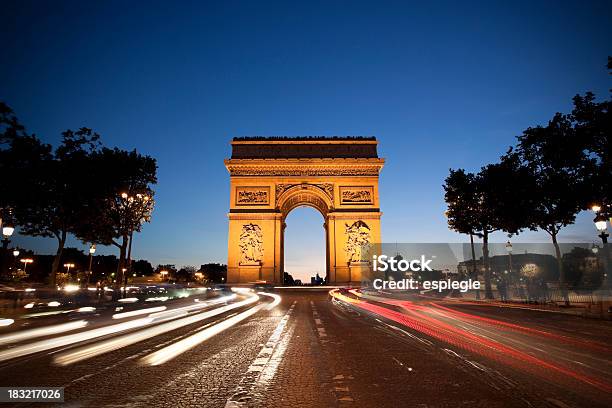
x: 601, y: 223
x: 15, y: 253
x: 92, y: 250
x: 26, y: 261
x: 7, y: 231
x: 163, y: 274
x: 68, y: 266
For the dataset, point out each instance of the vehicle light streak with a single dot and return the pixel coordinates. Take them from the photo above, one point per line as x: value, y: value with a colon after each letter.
x: 128, y: 300
x: 42, y: 331
x: 183, y: 311
x: 451, y: 313
x: 138, y: 312
x: 66, y: 340
x: 417, y: 320
x: 168, y: 353
x: 275, y: 302
x: 6, y: 322
x: 72, y: 356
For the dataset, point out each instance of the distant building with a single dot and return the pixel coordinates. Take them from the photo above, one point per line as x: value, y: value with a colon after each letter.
x: 316, y: 280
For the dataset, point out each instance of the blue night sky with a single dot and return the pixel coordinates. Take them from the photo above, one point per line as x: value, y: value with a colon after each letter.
x: 440, y: 85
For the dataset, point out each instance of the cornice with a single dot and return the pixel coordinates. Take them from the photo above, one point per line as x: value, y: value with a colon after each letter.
x: 305, y: 167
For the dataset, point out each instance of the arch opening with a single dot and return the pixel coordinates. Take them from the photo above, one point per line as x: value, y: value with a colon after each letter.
x: 304, y: 244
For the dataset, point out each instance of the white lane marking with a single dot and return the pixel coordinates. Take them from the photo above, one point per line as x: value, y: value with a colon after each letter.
x: 265, y: 365
x: 318, y: 322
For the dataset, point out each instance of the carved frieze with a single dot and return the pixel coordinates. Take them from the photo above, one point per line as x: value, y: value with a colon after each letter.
x: 252, y: 195
x: 356, y: 195
x: 251, y: 244
x: 303, y: 171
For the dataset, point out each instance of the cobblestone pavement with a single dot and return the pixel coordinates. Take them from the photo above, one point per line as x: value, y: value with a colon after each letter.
x: 309, y: 351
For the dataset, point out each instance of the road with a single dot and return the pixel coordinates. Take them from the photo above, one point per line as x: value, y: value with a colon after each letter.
x: 313, y: 349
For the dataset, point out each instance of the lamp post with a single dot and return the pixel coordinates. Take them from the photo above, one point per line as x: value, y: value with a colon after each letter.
x: 68, y: 266
x: 509, y: 250
x: 92, y: 251
x: 7, y: 231
x: 601, y: 223
x: 26, y: 261
x: 15, y: 255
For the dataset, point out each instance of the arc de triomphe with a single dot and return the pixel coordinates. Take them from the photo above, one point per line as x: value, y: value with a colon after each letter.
x: 270, y: 176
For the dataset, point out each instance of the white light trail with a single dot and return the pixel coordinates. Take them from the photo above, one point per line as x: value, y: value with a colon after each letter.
x: 106, y: 346
x: 168, y: 353
x: 139, y: 312
x: 128, y: 300
x: 61, y: 341
x: 275, y: 302
x: 6, y: 322
x: 42, y: 331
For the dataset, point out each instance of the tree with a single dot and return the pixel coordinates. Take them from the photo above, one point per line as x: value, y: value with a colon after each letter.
x: 186, y: 273
x: 288, y: 279
x: 22, y: 157
x: 169, y: 268
x: 495, y: 199
x: 593, y: 127
x: 558, y: 165
x: 460, y: 194
x: 214, y: 272
x: 143, y: 267
x: 123, y: 201
x: 45, y: 190
x: 10, y: 127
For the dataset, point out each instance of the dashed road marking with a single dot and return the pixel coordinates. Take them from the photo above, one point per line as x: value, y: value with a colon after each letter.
x: 265, y: 365
x: 318, y: 323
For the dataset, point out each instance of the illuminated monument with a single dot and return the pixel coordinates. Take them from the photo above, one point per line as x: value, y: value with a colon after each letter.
x: 270, y: 176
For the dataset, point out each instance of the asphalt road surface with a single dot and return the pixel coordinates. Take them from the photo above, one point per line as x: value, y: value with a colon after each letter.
x: 312, y: 349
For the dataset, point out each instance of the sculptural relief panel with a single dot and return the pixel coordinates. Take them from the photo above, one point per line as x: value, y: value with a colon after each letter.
x: 252, y: 195
x: 356, y: 195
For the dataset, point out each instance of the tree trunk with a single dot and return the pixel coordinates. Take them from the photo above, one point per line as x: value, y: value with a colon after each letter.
x: 121, y: 264
x: 474, y: 271
x: 474, y: 274
x: 485, y: 259
x: 129, y: 264
x: 61, y: 241
x: 562, y: 282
